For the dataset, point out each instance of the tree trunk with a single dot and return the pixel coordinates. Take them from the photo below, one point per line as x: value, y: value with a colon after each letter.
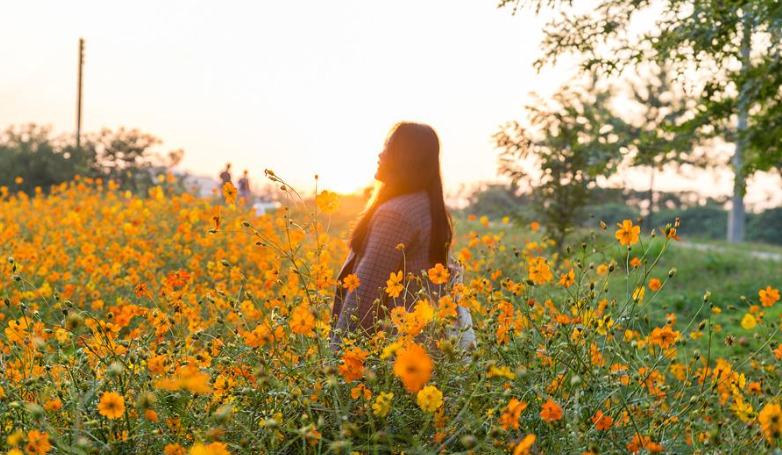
x: 737, y: 216
x: 649, y: 217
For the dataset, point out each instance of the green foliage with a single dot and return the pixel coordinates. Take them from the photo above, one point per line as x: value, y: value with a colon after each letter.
x: 497, y: 200
x: 42, y: 160
x: 611, y: 206
x: 706, y: 221
x: 766, y: 227
x: 740, y: 102
x: 30, y: 152
x: 611, y: 214
x: 573, y: 140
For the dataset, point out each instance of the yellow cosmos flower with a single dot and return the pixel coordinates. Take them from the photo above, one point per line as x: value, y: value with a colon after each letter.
x: 394, y: 284
x: 327, y: 202
x: 770, y: 418
x: 627, y: 234
x: 382, y: 404
x: 748, y: 322
x: 429, y: 398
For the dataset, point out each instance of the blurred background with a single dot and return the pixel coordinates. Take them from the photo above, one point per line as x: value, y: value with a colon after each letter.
x: 538, y: 119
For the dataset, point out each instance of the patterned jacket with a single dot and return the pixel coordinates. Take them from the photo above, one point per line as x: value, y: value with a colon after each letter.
x: 405, y: 219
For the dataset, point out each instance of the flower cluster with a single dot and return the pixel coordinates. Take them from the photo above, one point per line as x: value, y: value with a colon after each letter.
x: 163, y: 323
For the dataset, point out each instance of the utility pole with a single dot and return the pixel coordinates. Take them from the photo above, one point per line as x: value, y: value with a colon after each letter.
x: 78, y: 101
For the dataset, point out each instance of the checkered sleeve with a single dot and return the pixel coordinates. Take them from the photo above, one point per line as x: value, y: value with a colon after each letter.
x: 380, y: 258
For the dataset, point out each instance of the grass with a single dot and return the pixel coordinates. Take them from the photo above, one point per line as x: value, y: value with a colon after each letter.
x: 729, y: 273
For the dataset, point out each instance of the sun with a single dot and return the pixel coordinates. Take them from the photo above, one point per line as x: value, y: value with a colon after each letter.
x: 345, y: 178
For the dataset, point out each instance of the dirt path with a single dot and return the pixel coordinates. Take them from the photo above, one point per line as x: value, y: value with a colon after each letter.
x: 764, y: 255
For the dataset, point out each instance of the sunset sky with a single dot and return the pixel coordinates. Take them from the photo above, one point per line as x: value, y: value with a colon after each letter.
x: 300, y: 87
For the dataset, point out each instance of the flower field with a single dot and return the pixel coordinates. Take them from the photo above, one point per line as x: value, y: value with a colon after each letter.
x: 168, y: 324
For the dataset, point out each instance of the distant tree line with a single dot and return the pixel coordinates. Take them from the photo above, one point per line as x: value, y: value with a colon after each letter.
x: 32, y: 156
x: 701, y: 218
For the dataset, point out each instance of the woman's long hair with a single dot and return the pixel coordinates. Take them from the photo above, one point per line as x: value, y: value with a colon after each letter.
x: 413, y: 164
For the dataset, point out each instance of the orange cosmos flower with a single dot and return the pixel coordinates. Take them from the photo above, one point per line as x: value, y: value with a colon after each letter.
x: 215, y: 448
x: 140, y: 289
x: 568, y: 279
x: 151, y: 415
x: 53, y: 405
x: 413, y: 366
x: 352, y: 366
x: 778, y: 352
x: 670, y: 234
x: 534, y: 226
x: 229, y: 193
x: 602, y: 422
x: 627, y: 234
x: 351, y: 282
x: 302, y: 320
x: 768, y: 296
x: 770, y: 418
x: 645, y: 442
x: 664, y: 337
x: 655, y: 284
x: 510, y: 415
x: 360, y: 390
x: 38, y: 443
x: 539, y: 271
x: 216, y: 217
x: 177, y: 279
x: 394, y: 284
x: 439, y: 274
x: 111, y: 405
x: 551, y: 411
x: 174, y: 449
x: 525, y: 445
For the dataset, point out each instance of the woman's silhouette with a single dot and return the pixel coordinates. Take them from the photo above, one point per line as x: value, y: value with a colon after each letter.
x: 406, y: 226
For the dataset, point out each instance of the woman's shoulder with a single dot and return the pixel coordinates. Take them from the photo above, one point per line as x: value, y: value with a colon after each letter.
x: 411, y: 203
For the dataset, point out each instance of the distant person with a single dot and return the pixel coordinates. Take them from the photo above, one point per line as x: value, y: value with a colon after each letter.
x: 244, y: 187
x: 225, y: 176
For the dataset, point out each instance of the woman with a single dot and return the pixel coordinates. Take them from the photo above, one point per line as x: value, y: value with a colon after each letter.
x: 406, y: 227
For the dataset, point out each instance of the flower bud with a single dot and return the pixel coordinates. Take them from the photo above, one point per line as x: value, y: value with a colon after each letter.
x: 115, y: 369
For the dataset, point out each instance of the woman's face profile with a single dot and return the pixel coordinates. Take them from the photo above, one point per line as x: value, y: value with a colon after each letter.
x: 382, y: 163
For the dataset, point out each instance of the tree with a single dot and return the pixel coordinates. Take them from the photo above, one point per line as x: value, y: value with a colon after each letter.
x: 654, y: 142
x: 126, y: 157
x: 30, y: 152
x: 573, y: 140
x: 732, y: 48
